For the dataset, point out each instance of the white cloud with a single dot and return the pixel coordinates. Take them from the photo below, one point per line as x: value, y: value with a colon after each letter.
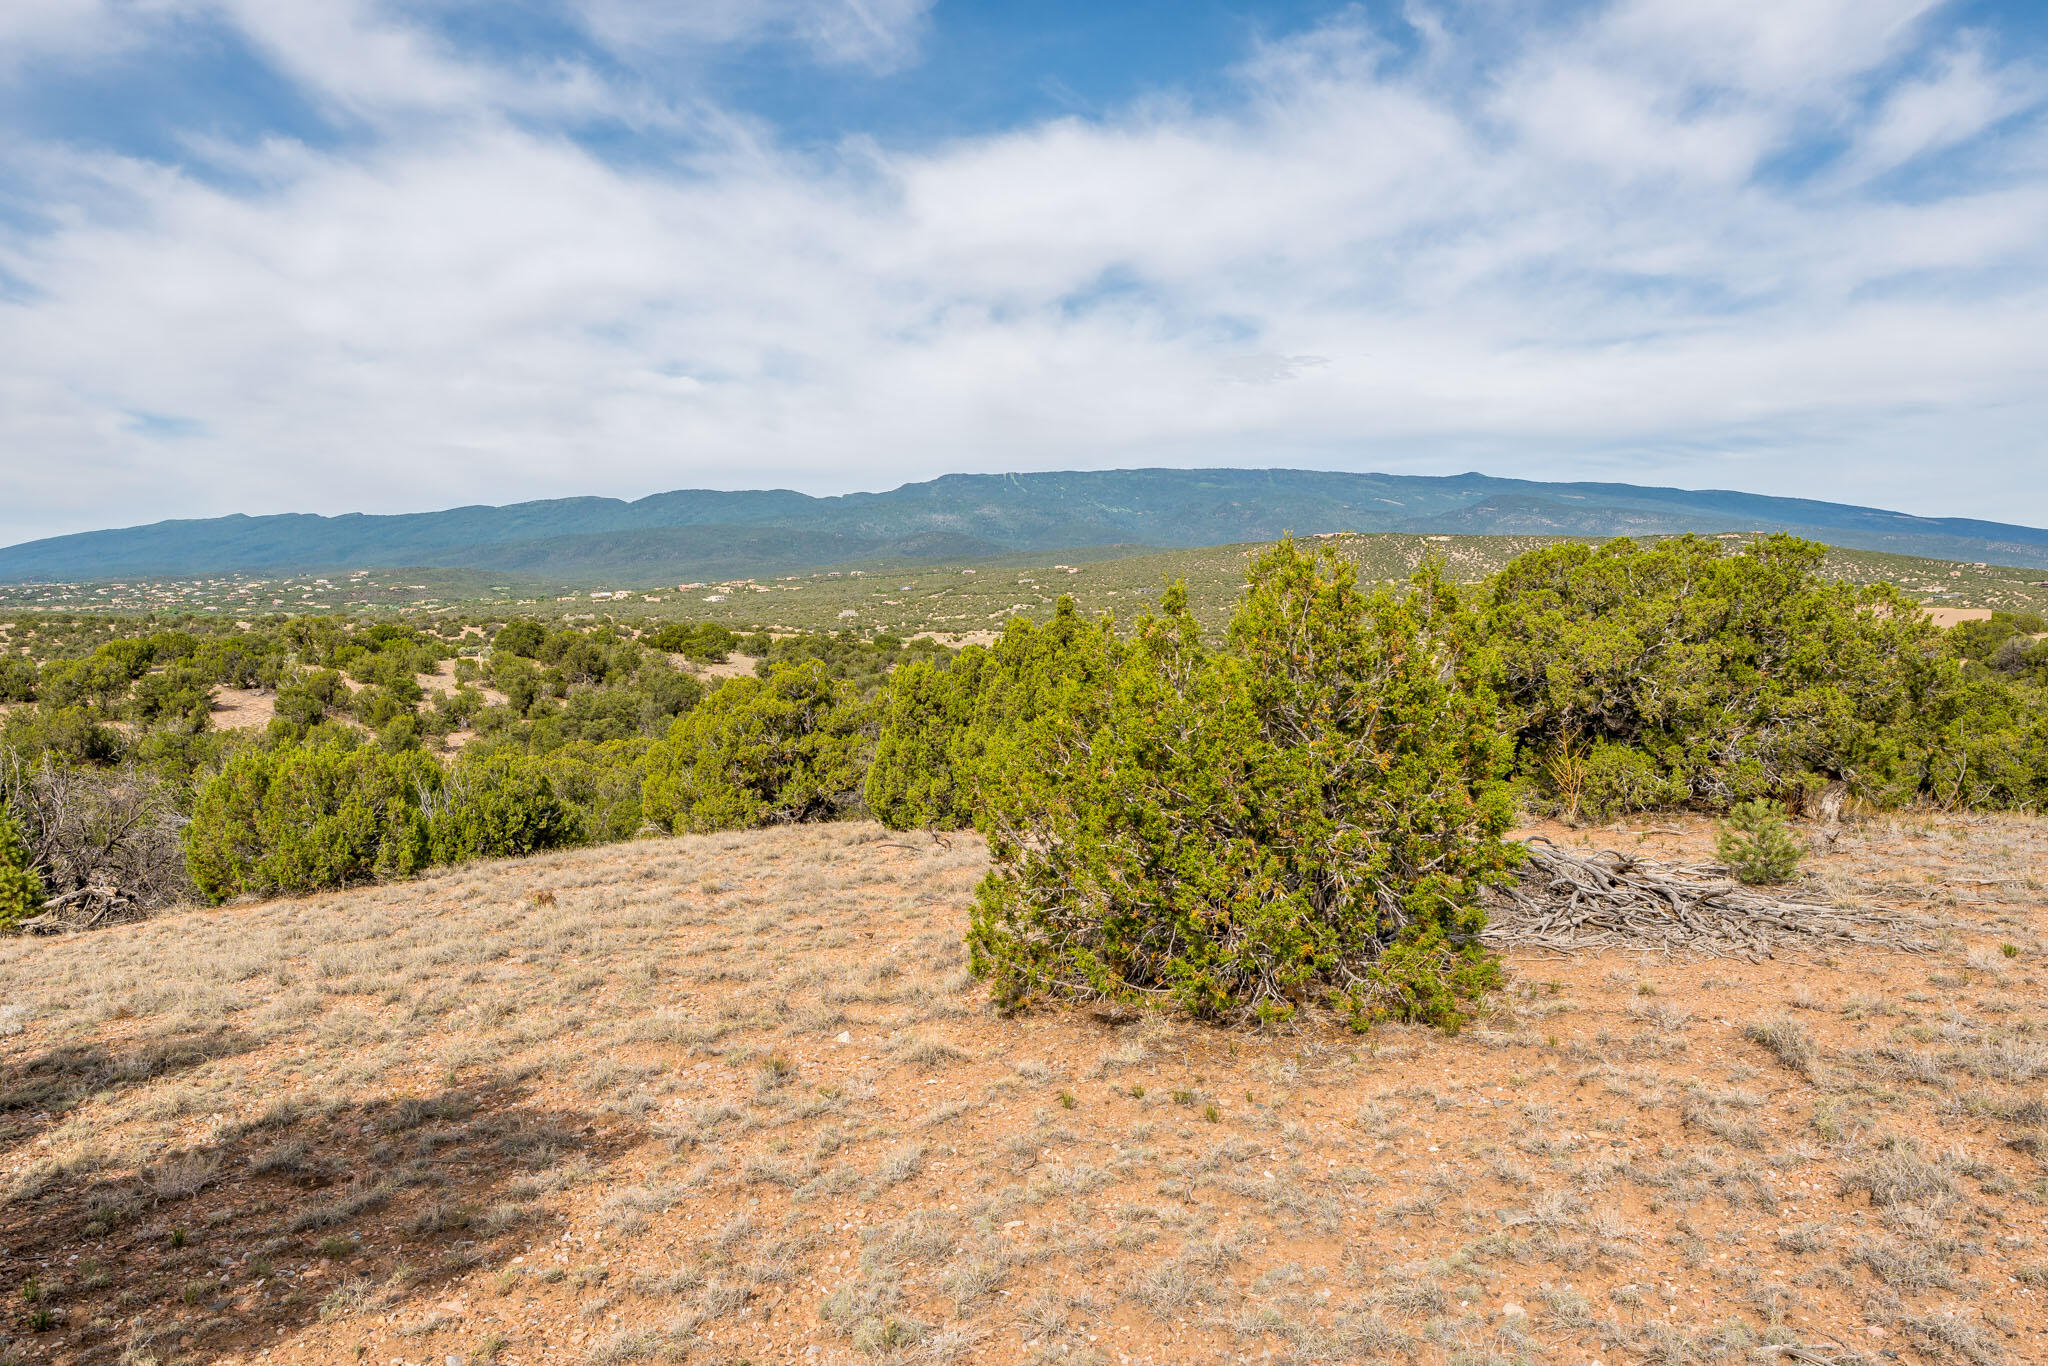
x: 1960, y: 98
x: 874, y: 33
x: 1567, y: 266
x: 33, y: 31
x: 1775, y: 49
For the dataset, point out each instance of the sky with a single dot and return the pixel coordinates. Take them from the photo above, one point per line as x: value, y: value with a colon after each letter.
x: 387, y: 255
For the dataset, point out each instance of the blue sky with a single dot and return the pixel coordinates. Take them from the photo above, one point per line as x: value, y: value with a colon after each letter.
x: 379, y: 255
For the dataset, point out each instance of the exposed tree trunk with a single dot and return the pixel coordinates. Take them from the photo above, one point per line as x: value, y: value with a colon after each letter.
x: 1827, y: 812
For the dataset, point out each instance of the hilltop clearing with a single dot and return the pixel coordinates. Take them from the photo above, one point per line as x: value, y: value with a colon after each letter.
x: 735, y: 1097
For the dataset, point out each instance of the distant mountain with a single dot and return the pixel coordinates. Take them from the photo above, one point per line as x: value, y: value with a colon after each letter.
x: 706, y: 534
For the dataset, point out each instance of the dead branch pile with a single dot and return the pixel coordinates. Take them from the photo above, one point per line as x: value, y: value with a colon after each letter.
x: 105, y: 842
x: 84, y: 908
x: 1571, y: 902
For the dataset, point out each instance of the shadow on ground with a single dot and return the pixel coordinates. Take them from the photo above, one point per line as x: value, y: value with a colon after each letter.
x: 37, y: 1092
x: 232, y: 1245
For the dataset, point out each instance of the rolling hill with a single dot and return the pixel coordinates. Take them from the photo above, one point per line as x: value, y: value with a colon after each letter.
x: 703, y: 533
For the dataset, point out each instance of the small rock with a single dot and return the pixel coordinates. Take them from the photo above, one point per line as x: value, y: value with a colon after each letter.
x: 844, y: 1037
x: 1513, y: 1311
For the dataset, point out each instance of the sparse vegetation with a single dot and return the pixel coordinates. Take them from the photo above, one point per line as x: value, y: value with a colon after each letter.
x: 1220, y: 821
x: 620, y: 1119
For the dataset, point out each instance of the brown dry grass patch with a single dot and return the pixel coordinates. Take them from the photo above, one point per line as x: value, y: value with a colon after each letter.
x: 736, y: 1097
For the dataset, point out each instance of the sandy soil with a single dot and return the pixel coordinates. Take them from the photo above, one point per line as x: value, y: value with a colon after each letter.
x: 443, y: 682
x: 1945, y: 617
x: 242, y: 708
x: 735, y: 666
x: 736, y: 1098
x: 958, y: 640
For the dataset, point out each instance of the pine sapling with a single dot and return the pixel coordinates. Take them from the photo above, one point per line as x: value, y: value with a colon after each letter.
x: 1757, y: 845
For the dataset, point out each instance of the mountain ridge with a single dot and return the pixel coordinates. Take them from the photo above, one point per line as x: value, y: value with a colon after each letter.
x: 686, y: 533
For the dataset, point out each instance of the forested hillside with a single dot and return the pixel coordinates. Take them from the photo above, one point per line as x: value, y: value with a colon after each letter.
x: 709, y: 534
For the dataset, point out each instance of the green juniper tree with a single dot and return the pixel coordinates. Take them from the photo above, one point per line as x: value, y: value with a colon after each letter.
x: 1690, y: 672
x: 922, y: 777
x: 1305, y: 815
x: 496, y: 806
x: 21, y: 890
x: 298, y: 819
x: 762, y: 751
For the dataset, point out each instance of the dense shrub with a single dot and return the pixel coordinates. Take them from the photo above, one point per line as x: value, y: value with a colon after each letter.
x: 1981, y: 743
x: 846, y: 655
x: 1985, y: 641
x: 920, y: 777
x: 1622, y: 778
x: 182, y: 752
x: 452, y: 710
x: 100, y: 680
x: 64, y: 734
x: 17, y: 679
x: 519, y: 680
x: 1304, y: 815
x: 297, y: 819
x: 522, y: 637
x: 2023, y: 657
x: 307, y: 700
x: 1756, y: 843
x: 500, y: 805
x: 180, y: 695
x: 1687, y: 671
x: 704, y: 642
x: 644, y: 704
x: 241, y: 661
x: 760, y: 751
x: 939, y: 715
x: 21, y: 890
x: 601, y: 782
x: 2010, y: 646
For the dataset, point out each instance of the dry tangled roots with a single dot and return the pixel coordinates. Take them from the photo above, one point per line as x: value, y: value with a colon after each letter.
x: 87, y: 908
x: 1569, y: 902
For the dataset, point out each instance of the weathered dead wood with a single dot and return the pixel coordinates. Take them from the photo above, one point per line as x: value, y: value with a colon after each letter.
x: 84, y: 908
x: 1568, y: 902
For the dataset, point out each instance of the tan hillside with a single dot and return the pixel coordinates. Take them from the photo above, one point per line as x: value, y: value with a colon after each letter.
x: 736, y: 1098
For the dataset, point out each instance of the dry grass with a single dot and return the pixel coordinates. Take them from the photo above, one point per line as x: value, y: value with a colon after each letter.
x: 735, y: 1098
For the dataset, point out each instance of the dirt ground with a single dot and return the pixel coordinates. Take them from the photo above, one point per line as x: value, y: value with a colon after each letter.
x: 734, y: 665
x: 252, y: 708
x: 243, y: 708
x: 959, y: 640
x: 443, y: 682
x: 736, y: 1099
